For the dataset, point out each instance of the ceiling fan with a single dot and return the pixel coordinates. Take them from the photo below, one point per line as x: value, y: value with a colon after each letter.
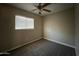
x: 41, y: 7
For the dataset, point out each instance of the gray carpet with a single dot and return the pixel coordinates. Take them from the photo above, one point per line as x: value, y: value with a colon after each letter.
x: 43, y: 47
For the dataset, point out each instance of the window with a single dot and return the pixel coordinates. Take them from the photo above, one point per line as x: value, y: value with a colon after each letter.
x: 24, y: 22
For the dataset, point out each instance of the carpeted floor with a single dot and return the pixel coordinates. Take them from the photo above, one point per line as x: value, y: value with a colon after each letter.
x: 43, y: 47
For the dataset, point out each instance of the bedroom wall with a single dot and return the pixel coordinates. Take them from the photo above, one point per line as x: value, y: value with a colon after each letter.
x: 60, y: 27
x: 9, y: 37
x: 77, y: 29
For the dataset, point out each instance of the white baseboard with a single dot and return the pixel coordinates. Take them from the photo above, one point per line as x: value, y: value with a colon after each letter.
x: 4, y: 53
x: 23, y: 44
x: 39, y: 39
x: 73, y: 46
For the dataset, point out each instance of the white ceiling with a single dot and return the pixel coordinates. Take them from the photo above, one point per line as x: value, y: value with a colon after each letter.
x: 54, y: 7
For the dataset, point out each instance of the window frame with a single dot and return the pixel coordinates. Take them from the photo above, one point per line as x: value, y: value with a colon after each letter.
x: 26, y: 27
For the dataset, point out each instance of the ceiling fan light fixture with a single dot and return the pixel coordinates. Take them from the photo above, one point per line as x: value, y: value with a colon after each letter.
x: 39, y: 12
x: 40, y: 7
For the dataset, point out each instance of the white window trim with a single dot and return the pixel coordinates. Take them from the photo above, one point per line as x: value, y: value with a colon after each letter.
x: 24, y: 19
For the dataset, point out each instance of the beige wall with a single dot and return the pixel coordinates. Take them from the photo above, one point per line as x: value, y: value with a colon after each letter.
x: 9, y: 37
x: 60, y: 27
x: 77, y: 29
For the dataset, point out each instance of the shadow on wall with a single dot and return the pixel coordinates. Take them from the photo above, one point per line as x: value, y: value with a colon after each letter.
x: 60, y: 27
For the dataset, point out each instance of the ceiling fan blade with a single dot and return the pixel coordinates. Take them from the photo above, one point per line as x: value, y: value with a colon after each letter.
x: 34, y: 9
x: 46, y: 4
x: 47, y: 10
x: 39, y: 6
x: 34, y: 5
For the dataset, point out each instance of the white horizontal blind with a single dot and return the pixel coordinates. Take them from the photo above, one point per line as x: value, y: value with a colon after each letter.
x: 24, y: 22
